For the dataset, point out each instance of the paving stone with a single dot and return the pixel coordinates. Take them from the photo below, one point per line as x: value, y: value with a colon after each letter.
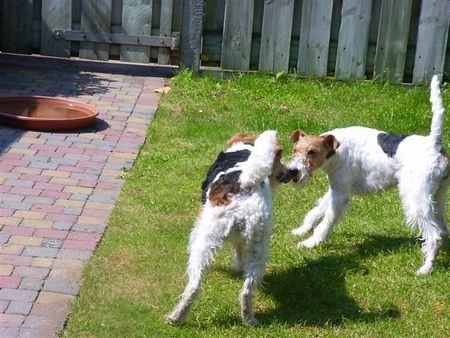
x: 61, y: 285
x: 34, y: 272
x: 9, y: 332
x: 63, y: 225
x: 31, y: 283
x: 25, y: 240
x: 18, y: 295
x: 15, y: 260
x: 95, y: 228
x: 8, y: 320
x: 42, y: 262
x: 3, y: 305
x: 51, y: 233
x: 4, y: 237
x: 11, y: 248
x: 82, y: 255
x: 41, y: 251
x: 6, y: 269
x: 11, y: 282
x: 20, y: 308
x: 52, y: 243
x: 15, y: 230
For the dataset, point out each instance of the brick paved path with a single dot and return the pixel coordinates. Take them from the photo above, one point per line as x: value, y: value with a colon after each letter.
x: 57, y: 190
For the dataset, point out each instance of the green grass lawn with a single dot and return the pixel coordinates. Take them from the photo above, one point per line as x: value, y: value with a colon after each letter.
x: 361, y: 283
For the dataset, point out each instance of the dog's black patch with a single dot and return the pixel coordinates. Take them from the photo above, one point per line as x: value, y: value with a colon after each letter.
x: 224, y: 162
x: 389, y: 142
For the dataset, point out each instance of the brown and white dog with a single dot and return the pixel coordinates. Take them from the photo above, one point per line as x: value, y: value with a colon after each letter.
x: 364, y: 160
x: 236, y: 206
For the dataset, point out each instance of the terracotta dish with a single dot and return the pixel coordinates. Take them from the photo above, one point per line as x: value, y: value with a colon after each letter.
x: 43, y: 113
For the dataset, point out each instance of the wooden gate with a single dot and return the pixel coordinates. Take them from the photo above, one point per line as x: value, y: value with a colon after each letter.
x: 126, y: 30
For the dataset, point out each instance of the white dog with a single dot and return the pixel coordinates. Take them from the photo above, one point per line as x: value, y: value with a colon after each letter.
x: 363, y: 160
x: 236, y: 205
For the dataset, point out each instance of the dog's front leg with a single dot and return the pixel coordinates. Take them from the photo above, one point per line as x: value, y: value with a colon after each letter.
x: 314, y: 216
x: 335, y: 209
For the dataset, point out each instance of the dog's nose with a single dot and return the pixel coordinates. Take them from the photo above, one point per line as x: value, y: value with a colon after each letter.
x: 293, y: 172
x: 288, y: 175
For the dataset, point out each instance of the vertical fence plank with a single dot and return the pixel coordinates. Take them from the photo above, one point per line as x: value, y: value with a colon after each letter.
x: 17, y: 26
x: 191, y: 34
x: 353, y: 39
x: 392, y: 40
x: 237, y: 34
x: 165, y: 30
x: 314, y: 37
x: 95, y: 17
x: 431, y: 40
x: 136, y: 20
x: 276, y: 35
x: 56, y: 14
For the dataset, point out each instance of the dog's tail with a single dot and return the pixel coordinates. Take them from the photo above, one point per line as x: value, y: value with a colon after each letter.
x: 438, y: 110
x: 260, y: 162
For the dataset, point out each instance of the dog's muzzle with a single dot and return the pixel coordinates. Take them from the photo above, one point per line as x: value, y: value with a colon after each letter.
x: 288, y: 175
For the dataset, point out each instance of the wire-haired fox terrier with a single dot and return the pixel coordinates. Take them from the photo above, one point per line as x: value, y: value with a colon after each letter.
x: 363, y: 160
x: 236, y: 206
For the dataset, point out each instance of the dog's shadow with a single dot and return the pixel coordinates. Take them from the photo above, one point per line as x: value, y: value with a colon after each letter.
x: 317, y: 293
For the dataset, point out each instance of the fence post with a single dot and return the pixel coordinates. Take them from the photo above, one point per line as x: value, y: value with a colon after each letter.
x: 191, y: 34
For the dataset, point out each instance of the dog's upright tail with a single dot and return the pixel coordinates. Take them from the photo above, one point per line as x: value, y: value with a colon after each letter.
x: 438, y: 110
x: 260, y: 162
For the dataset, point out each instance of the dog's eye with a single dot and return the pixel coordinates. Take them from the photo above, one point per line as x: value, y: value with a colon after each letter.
x: 311, y: 153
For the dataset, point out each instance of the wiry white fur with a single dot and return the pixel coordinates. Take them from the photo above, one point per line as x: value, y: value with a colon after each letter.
x: 419, y: 168
x: 259, y: 165
x: 246, y: 222
x: 438, y: 110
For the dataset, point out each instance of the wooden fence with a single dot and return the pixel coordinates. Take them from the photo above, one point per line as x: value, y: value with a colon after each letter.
x: 394, y: 40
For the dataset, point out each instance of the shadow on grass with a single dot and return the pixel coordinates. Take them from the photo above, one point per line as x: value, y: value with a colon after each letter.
x: 316, y: 294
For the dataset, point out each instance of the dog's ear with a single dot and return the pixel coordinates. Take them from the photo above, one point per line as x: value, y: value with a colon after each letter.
x: 296, y: 135
x: 331, y: 143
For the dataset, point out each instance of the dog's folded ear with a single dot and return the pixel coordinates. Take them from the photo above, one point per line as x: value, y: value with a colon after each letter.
x: 296, y: 135
x: 331, y: 143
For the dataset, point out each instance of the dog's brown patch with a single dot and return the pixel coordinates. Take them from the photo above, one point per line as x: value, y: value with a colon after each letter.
x: 223, y: 189
x: 246, y: 139
x: 315, y: 149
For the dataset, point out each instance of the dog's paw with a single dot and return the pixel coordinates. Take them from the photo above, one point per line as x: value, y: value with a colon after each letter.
x: 424, y: 270
x: 174, y: 318
x: 308, y: 243
x: 250, y: 321
x: 300, y: 231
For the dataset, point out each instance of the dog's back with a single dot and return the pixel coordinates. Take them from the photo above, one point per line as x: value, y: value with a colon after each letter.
x: 247, y: 163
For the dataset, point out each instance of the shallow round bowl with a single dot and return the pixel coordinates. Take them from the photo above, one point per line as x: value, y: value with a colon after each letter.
x: 42, y: 113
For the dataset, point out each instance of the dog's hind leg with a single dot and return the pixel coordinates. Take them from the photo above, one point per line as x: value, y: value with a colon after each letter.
x: 204, y: 241
x: 255, y: 257
x: 441, y: 210
x: 335, y: 208
x: 423, y: 210
x: 314, y: 216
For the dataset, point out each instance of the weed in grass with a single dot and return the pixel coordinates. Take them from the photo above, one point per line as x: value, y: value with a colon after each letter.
x: 360, y: 283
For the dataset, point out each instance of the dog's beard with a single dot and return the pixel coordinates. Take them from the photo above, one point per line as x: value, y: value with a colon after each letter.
x: 300, y: 173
